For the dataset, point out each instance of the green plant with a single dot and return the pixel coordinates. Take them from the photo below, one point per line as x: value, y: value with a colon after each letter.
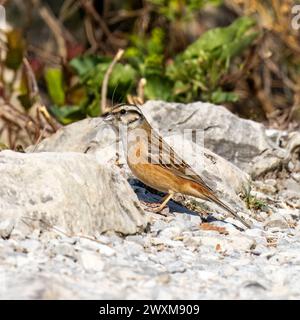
x: 3, y: 146
x: 82, y: 98
x: 181, y: 9
x: 197, y: 72
x: 147, y: 57
x: 251, y: 201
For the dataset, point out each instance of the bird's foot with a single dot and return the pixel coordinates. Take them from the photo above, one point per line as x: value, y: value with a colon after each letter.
x: 156, y: 207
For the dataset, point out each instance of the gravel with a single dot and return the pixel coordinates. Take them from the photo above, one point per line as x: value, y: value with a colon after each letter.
x: 176, y: 259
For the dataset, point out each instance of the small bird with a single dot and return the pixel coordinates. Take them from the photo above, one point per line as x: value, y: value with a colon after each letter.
x: 155, y: 163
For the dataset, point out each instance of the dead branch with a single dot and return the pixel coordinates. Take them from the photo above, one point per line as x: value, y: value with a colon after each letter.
x: 33, y: 87
x: 108, y: 72
x: 91, y: 11
x: 141, y: 90
x: 55, y: 27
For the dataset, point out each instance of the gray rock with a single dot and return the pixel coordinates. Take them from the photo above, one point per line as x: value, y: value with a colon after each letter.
x: 73, y: 138
x: 222, y: 176
x: 30, y: 244
x: 246, y: 143
x: 97, y: 247
x: 276, y: 223
x: 292, y: 185
x: 277, y: 158
x: 91, y: 261
x: 67, y: 190
x: 176, y: 266
x: 235, y: 139
x: 171, y: 232
x: 270, y: 160
x: 265, y: 187
x: 6, y: 228
x: 278, y: 220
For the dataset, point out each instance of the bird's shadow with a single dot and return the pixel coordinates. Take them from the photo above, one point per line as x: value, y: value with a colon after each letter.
x: 148, y: 194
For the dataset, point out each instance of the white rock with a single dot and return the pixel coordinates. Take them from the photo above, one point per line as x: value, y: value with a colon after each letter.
x: 6, y: 228
x: 69, y: 191
x: 171, y: 232
x: 91, y: 261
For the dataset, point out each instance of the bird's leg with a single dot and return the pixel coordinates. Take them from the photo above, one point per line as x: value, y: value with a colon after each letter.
x: 158, y: 207
x: 165, y: 200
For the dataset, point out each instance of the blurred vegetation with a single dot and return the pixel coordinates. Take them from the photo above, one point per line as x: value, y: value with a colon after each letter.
x: 62, y: 54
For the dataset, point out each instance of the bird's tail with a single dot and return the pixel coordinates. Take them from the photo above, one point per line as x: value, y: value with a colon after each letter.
x: 213, y: 198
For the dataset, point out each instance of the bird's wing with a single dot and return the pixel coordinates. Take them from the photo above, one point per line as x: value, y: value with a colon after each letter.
x: 160, y: 153
x: 180, y: 168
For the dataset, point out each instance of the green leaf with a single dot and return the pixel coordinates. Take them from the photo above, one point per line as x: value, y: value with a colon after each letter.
x: 147, y: 54
x: 54, y: 81
x: 201, y: 66
x: 16, y: 49
x: 220, y: 96
x: 122, y: 77
x: 85, y: 64
x: 3, y: 146
x: 158, y: 88
x: 155, y: 45
x: 67, y: 114
x: 25, y: 101
x: 216, y: 38
x: 25, y: 97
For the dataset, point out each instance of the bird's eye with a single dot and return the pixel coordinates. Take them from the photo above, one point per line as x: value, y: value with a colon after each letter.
x: 123, y: 111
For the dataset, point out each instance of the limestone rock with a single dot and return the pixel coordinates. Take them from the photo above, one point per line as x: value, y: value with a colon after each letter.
x: 101, y: 141
x: 72, y: 138
x: 235, y: 139
x: 68, y: 190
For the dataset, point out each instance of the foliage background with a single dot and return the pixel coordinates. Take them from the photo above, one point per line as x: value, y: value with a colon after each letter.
x: 55, y: 56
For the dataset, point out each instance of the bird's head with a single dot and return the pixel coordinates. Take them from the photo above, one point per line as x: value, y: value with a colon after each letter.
x: 126, y: 115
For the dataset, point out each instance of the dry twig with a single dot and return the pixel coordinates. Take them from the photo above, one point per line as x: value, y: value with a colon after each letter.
x: 91, y: 11
x: 55, y: 27
x: 108, y: 72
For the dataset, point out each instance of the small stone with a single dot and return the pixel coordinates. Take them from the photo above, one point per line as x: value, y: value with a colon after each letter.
x: 6, y: 228
x: 64, y: 249
x: 265, y: 187
x: 96, y: 246
x: 276, y: 223
x: 280, y: 219
x: 137, y: 238
x: 132, y: 248
x: 173, y: 243
x: 163, y: 278
x: 296, y: 176
x: 213, y: 241
x: 229, y: 271
x: 106, y: 250
x: 170, y: 232
x: 291, y: 185
x: 192, y: 241
x: 176, y: 267
x: 91, y: 261
x: 158, y: 225
x: 263, y: 215
x: 30, y: 244
x: 271, y: 182
x: 291, y: 166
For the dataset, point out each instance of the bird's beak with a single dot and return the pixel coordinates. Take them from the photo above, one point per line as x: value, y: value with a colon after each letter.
x: 108, y: 117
